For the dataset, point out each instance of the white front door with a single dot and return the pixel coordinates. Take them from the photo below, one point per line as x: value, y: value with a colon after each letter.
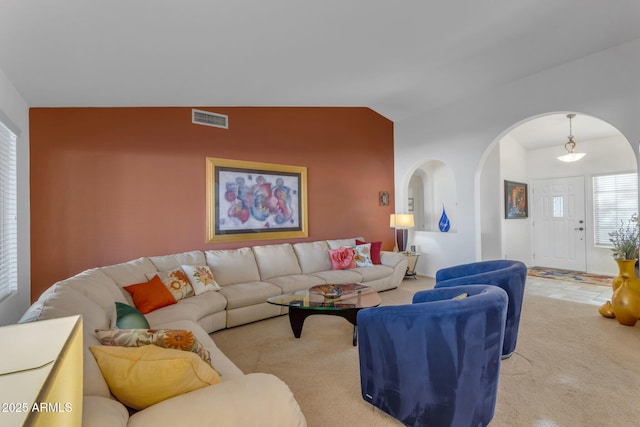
x: 559, y: 223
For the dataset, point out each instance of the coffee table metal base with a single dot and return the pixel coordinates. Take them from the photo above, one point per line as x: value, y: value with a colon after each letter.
x: 298, y: 315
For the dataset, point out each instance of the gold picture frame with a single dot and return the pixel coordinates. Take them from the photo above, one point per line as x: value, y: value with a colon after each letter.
x: 255, y: 201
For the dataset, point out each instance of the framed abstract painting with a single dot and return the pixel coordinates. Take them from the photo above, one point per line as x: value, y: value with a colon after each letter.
x: 255, y: 201
x: 516, y: 200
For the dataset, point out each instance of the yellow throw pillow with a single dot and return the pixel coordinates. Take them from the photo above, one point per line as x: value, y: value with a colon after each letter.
x: 461, y: 296
x: 143, y: 376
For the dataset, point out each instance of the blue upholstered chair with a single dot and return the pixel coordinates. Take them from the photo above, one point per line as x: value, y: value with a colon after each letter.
x: 506, y: 274
x: 434, y: 362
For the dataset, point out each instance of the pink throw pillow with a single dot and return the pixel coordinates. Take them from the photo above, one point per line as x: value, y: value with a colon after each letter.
x: 342, y: 258
x: 376, y: 247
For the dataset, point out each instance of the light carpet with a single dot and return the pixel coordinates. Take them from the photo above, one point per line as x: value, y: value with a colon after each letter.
x: 571, y: 367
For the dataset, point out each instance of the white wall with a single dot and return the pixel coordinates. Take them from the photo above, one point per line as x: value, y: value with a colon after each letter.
x: 491, y: 206
x: 516, y: 233
x: 603, y: 85
x: 14, y: 112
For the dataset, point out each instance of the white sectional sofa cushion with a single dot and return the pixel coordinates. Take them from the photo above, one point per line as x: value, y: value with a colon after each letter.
x: 246, y: 294
x: 313, y: 256
x: 233, y: 266
x: 252, y: 400
x: 98, y: 287
x: 339, y: 276
x: 296, y: 282
x: 201, y: 310
x: 279, y: 265
x: 276, y: 261
x: 374, y: 272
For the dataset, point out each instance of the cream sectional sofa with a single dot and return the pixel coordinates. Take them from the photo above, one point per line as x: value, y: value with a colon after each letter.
x: 247, y: 276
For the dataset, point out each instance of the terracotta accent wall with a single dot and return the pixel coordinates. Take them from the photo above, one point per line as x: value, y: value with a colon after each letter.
x: 113, y: 184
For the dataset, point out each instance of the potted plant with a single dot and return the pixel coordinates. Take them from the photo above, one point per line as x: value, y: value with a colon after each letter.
x: 625, y: 302
x: 625, y: 240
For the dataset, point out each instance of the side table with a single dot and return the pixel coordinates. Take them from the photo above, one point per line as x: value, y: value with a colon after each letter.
x: 412, y: 258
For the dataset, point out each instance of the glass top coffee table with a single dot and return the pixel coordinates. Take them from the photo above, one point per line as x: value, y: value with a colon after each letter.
x: 336, y: 300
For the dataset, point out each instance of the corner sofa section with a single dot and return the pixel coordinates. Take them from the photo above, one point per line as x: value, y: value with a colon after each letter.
x: 247, y: 277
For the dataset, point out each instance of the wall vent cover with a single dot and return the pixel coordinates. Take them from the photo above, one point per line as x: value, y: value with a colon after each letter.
x: 207, y: 118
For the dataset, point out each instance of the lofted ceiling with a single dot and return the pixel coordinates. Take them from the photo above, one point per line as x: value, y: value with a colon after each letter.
x: 400, y: 58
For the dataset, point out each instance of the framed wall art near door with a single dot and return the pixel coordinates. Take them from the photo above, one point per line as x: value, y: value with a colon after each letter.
x: 255, y: 201
x: 516, y: 200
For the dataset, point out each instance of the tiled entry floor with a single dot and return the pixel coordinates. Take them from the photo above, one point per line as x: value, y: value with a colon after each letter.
x: 566, y: 290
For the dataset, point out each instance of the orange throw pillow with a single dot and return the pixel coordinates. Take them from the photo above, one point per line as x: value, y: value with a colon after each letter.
x: 151, y: 295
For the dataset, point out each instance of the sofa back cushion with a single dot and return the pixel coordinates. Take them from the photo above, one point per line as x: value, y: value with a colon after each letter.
x: 231, y: 266
x: 169, y: 262
x: 98, y: 287
x: 129, y: 273
x: 313, y: 256
x: 335, y: 244
x: 276, y: 261
x: 61, y: 300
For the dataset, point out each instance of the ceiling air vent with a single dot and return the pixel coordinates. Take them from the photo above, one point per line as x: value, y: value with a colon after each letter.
x: 206, y: 118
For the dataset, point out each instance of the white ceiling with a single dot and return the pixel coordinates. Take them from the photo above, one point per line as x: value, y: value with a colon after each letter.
x: 553, y: 130
x: 400, y: 58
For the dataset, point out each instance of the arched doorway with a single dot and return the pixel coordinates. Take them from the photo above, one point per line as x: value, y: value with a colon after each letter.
x: 528, y: 153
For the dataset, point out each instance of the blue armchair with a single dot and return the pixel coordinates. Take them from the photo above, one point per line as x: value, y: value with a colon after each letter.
x: 434, y: 362
x: 506, y: 274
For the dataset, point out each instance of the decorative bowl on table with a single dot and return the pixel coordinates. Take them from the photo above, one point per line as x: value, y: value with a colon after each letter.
x: 327, y: 291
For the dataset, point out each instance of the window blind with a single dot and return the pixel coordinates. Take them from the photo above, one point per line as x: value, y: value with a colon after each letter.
x: 8, y: 214
x: 615, y: 199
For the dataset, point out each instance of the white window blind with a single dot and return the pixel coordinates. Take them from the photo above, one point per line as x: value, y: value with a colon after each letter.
x: 8, y: 214
x: 615, y: 199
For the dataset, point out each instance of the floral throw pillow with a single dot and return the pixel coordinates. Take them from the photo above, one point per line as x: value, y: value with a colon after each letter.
x: 176, y: 339
x: 176, y: 281
x: 376, y: 248
x: 201, y: 278
x: 362, y: 255
x: 342, y: 258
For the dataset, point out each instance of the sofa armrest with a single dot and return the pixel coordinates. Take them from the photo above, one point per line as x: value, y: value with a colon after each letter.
x: 252, y: 400
x: 392, y: 259
x: 98, y: 411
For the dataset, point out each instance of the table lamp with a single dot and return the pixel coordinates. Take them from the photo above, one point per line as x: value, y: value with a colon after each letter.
x: 402, y: 223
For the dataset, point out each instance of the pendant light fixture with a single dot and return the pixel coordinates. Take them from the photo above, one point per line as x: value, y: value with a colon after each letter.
x: 571, y: 156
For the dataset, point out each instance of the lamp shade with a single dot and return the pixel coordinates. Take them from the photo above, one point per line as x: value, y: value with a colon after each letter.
x: 571, y: 157
x: 401, y: 221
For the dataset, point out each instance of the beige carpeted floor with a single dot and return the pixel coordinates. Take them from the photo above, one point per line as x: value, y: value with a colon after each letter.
x: 572, y: 367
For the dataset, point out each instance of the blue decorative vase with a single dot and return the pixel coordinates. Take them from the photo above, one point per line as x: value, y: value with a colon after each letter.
x: 444, y: 224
